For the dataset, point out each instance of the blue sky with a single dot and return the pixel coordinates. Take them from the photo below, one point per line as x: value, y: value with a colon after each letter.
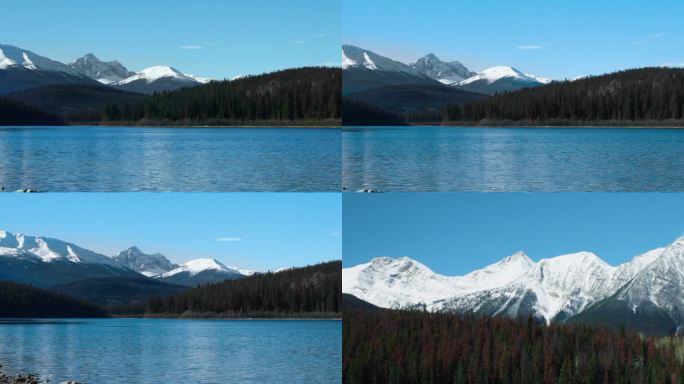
x: 558, y: 39
x: 455, y: 233
x: 250, y: 230
x: 210, y: 38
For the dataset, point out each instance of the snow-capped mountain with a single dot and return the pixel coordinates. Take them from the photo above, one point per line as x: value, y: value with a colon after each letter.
x: 363, y: 69
x: 22, y: 69
x: 500, y: 79
x: 44, y: 261
x: 200, y: 271
x: 148, y: 265
x: 158, y: 78
x: 444, y: 72
x: 105, y: 72
x: 562, y: 288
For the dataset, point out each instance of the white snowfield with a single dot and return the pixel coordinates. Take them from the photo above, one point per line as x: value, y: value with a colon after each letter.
x: 198, y: 265
x: 563, y: 285
x: 493, y: 74
x: 155, y: 73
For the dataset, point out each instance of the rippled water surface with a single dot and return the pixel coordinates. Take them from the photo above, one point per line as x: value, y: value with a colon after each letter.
x: 512, y: 159
x: 127, y: 351
x: 169, y: 159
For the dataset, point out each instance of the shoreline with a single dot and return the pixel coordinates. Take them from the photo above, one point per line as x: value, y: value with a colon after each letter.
x: 21, y: 378
x: 606, y: 125
x: 214, y: 317
x: 171, y: 124
x: 184, y: 126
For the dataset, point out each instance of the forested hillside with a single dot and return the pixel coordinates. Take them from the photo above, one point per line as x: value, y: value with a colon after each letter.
x: 21, y: 300
x: 17, y: 113
x: 633, y: 96
x: 355, y: 113
x: 299, y: 292
x: 309, y: 95
x: 418, y: 347
x: 75, y: 102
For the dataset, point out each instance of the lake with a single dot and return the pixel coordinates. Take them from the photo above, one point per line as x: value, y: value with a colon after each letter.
x: 127, y: 351
x: 118, y: 159
x: 512, y: 159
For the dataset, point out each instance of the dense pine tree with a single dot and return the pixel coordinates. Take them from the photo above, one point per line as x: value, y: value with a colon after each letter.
x: 419, y: 347
x: 17, y: 113
x: 631, y: 96
x: 314, y: 290
x: 21, y: 300
x: 293, y: 95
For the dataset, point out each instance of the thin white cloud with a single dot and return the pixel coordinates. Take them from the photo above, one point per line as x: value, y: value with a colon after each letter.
x: 656, y: 35
x: 191, y: 47
x: 228, y: 239
x: 319, y: 35
x: 336, y: 233
x: 529, y: 47
x: 298, y: 42
x: 637, y: 42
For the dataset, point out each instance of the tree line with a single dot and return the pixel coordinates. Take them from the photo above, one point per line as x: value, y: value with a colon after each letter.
x: 297, y: 292
x: 636, y: 95
x: 302, y: 94
x: 22, y: 300
x: 419, y: 347
x: 17, y: 113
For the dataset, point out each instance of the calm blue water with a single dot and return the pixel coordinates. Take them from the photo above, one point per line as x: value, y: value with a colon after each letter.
x: 169, y: 159
x: 128, y: 351
x: 512, y: 159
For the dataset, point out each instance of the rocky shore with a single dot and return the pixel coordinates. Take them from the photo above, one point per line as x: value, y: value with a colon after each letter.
x: 26, y: 378
x: 19, y: 379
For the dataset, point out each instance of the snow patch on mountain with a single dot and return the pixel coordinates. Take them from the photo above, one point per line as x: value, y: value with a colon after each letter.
x: 543, y: 80
x: 49, y: 250
x: 196, y: 266
x: 347, y: 62
x: 28, y: 64
x: 355, y: 57
x: 493, y: 74
x: 11, y: 56
x: 5, y: 61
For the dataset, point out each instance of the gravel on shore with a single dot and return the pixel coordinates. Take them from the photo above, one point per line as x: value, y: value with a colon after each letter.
x: 26, y: 378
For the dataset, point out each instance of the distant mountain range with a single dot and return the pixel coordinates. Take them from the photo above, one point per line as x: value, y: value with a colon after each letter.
x: 427, y: 85
x: 368, y: 70
x: 47, y: 262
x: 21, y: 69
x: 646, y: 293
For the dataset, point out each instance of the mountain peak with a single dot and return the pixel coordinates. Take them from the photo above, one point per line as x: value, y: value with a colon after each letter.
x: 446, y: 73
x: 519, y: 255
x: 91, y: 66
x: 147, y: 264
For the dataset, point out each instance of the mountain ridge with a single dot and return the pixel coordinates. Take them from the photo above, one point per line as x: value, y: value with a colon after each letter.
x: 552, y: 289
